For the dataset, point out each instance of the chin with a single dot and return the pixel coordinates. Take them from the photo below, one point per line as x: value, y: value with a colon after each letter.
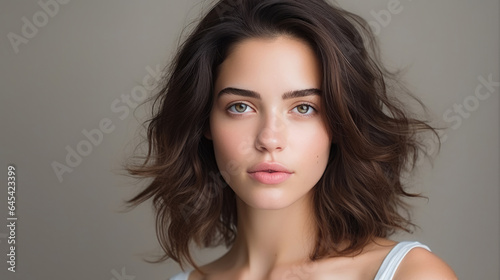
x: 269, y: 199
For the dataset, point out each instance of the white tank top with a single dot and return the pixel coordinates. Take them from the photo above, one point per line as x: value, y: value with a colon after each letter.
x: 386, y: 270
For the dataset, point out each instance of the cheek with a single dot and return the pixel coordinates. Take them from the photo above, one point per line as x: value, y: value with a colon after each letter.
x: 232, y: 145
x: 322, y: 148
x: 312, y: 144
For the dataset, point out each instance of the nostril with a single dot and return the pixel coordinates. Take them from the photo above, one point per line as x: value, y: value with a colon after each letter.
x: 270, y: 140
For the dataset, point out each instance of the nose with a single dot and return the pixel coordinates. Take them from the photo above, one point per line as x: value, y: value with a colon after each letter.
x: 272, y: 135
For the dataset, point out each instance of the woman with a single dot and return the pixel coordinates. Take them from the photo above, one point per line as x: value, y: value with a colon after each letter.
x: 276, y: 135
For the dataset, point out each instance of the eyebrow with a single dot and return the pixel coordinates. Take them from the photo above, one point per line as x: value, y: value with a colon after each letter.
x: 253, y: 94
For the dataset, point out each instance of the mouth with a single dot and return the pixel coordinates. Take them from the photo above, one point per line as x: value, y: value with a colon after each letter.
x: 270, y: 173
x: 269, y: 167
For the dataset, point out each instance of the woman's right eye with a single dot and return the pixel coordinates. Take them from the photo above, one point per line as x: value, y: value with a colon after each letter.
x: 239, y: 108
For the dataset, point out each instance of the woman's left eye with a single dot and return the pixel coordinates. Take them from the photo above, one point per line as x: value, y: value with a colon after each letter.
x: 304, y: 109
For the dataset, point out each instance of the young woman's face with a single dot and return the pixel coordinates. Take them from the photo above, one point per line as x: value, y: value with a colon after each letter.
x: 270, y: 141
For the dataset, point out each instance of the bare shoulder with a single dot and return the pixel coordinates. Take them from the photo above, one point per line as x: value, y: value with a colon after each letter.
x: 422, y: 264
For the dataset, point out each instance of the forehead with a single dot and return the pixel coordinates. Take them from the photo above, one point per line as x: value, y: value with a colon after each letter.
x: 281, y: 64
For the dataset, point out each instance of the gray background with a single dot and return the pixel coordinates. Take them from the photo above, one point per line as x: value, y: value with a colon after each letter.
x: 74, y: 71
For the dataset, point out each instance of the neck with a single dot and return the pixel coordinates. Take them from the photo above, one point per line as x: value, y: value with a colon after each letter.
x: 270, y: 238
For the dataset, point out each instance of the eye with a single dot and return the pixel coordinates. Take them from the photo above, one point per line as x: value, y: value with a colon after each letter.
x: 239, y: 108
x: 304, y: 109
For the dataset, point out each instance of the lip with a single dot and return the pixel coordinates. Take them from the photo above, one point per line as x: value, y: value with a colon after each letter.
x: 270, y: 173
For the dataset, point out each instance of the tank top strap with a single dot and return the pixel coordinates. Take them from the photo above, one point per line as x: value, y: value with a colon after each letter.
x: 386, y: 270
x: 394, y: 258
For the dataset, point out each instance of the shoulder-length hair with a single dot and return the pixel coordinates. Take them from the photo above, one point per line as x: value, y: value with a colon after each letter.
x: 360, y: 194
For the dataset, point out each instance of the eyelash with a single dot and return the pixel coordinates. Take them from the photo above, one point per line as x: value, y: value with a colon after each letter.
x: 231, y: 109
x: 311, y: 109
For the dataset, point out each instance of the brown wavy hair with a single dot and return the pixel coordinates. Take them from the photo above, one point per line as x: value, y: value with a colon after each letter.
x: 360, y: 195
